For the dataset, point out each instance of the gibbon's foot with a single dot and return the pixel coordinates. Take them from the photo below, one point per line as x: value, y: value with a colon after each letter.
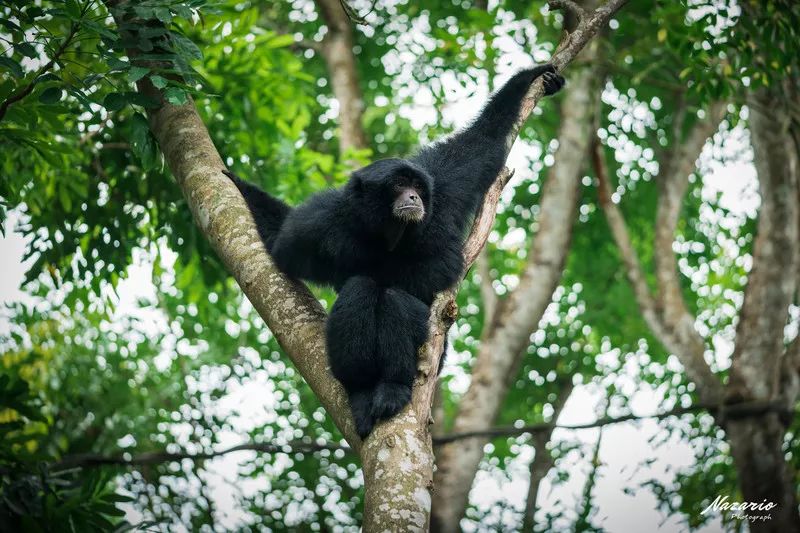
x: 389, y: 399
x: 360, y: 405
x: 553, y: 82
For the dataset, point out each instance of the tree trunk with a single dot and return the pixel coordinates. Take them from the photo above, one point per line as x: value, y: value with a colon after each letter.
x: 757, y: 361
x: 337, y: 51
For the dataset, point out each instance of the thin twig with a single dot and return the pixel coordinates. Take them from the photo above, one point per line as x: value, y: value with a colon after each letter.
x: 353, y: 15
x: 736, y: 410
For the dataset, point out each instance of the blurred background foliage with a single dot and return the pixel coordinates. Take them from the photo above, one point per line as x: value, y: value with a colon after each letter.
x: 130, y: 338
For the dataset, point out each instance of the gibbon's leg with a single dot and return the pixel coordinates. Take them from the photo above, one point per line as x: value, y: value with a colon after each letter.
x: 351, y: 339
x: 402, y: 328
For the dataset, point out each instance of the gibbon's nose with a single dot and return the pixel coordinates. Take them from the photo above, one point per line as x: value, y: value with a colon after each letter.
x: 413, y: 197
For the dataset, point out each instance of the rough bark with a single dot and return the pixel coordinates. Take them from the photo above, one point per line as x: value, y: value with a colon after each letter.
x: 397, y: 458
x: 517, y: 317
x: 542, y: 460
x: 758, y: 357
x: 290, y: 311
x: 337, y: 51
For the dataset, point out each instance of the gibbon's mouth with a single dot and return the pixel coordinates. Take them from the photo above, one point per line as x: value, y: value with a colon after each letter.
x: 409, y: 212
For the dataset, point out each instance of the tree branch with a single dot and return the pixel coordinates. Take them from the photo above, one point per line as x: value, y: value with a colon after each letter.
x: 732, y: 411
x: 568, y: 5
x: 543, y: 460
x: 488, y: 295
x: 87, y: 460
x: 771, y: 284
x: 735, y: 411
x: 674, y: 329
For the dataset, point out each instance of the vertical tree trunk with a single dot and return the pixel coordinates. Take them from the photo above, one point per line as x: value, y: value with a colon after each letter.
x: 757, y: 361
x: 337, y: 51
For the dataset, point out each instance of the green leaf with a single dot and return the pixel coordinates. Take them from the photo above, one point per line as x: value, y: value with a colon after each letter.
x: 163, y: 14
x: 98, y: 28
x: 51, y: 95
x: 185, y: 47
x: 9, y: 24
x: 144, y: 45
x: 26, y: 49
x: 114, y: 101
x: 14, y: 67
x: 73, y: 9
x: 137, y: 73
x: 142, y: 142
x: 175, y: 96
x: 280, y: 41
x: 117, y: 64
x: 158, y: 81
x: 64, y: 197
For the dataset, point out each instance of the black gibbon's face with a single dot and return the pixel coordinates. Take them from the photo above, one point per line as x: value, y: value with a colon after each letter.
x: 407, y: 205
x: 390, y: 194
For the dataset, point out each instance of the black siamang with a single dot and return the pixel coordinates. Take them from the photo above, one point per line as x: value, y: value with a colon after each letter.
x: 388, y: 241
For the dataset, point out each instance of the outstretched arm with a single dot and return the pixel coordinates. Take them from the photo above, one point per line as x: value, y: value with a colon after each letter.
x: 464, y: 164
x: 268, y: 212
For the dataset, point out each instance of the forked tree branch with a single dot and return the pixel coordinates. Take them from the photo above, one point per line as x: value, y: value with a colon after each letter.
x: 666, y: 315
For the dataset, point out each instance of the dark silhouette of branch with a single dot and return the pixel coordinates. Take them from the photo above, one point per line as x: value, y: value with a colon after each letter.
x: 569, y: 6
x: 85, y: 460
x: 89, y: 460
x: 731, y: 411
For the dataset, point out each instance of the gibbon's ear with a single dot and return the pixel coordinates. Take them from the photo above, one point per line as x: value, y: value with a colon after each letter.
x: 356, y: 184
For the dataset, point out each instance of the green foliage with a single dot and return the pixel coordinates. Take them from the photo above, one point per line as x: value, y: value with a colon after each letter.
x: 36, y: 497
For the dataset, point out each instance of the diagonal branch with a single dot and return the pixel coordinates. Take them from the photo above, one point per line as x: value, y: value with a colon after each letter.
x: 488, y: 296
x: 680, y: 162
x: 516, y: 317
x: 682, y: 337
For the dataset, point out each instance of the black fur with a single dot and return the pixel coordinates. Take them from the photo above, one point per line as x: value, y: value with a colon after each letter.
x: 386, y: 272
